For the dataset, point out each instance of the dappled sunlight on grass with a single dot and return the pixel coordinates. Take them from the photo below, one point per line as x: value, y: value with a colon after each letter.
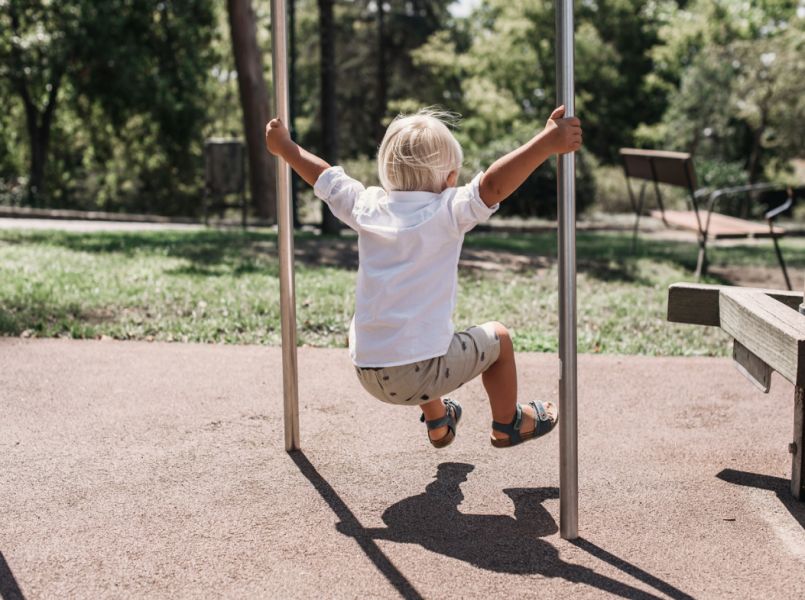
x: 221, y: 286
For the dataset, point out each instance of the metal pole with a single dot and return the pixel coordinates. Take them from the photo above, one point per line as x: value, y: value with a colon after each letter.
x: 566, y: 198
x: 290, y: 387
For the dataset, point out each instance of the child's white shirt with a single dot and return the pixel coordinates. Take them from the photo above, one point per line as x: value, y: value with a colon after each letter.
x: 408, y: 246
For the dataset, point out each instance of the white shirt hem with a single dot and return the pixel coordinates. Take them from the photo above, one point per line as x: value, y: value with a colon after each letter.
x: 400, y: 363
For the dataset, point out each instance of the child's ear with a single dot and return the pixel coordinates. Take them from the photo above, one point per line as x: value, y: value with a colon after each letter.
x: 452, y: 178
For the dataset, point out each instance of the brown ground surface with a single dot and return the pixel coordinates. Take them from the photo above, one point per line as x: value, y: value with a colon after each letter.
x: 157, y: 470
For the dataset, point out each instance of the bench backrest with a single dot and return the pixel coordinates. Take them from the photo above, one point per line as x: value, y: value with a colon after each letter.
x: 673, y: 168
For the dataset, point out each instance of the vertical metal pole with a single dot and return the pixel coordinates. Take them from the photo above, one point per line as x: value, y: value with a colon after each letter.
x: 566, y: 197
x: 290, y: 387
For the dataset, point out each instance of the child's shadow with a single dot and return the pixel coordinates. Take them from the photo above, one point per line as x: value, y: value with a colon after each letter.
x: 495, y: 542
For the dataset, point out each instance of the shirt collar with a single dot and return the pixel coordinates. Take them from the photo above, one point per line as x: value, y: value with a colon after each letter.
x: 399, y: 196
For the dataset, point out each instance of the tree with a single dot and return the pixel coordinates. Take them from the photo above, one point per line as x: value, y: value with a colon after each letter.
x: 328, y: 106
x: 37, y: 49
x: 769, y: 97
x: 117, y: 66
x: 734, y: 72
x: 498, y: 70
x: 255, y: 105
x: 381, y: 101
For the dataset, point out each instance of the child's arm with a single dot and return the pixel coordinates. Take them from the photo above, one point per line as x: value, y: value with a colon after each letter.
x: 510, y: 171
x: 330, y: 184
x: 307, y: 165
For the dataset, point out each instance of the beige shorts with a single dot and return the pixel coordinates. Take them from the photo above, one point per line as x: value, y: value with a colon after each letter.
x: 471, y: 352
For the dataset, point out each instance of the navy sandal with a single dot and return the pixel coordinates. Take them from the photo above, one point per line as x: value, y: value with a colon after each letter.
x: 451, y: 418
x: 543, y: 425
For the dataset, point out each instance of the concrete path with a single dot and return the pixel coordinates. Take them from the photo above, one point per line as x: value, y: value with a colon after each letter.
x: 158, y: 470
x: 88, y: 226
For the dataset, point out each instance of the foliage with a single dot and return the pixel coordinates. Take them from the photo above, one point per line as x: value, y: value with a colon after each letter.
x: 126, y: 82
x: 139, y: 85
x: 505, y: 76
x: 500, y: 74
x: 734, y: 76
x: 715, y: 174
x: 611, y: 193
x: 407, y: 25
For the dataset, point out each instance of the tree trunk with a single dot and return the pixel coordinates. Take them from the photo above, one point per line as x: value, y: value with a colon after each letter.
x: 753, y: 164
x: 329, y: 125
x: 39, y: 126
x: 255, y: 105
x: 38, y: 122
x: 382, y: 76
x: 36, y: 177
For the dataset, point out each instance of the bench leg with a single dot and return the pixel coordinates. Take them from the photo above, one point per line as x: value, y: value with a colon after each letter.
x: 638, y: 208
x: 701, y: 263
x: 798, y: 446
x: 782, y: 262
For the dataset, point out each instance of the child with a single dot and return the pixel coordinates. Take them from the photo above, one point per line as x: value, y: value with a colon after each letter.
x: 410, y: 233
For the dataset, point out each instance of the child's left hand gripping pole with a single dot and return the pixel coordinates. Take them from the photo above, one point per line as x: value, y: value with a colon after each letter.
x: 290, y: 379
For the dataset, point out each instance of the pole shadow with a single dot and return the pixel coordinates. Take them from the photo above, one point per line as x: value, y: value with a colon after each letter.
x: 370, y: 548
x: 630, y: 569
x: 9, y: 588
x: 498, y: 543
x: 778, y: 485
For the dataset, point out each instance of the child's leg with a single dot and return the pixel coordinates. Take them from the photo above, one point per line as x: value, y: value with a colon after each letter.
x: 434, y: 409
x: 500, y: 381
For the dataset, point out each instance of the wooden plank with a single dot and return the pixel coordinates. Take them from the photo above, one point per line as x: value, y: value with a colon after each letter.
x: 798, y: 446
x: 654, y: 153
x: 751, y: 367
x: 725, y: 226
x: 694, y: 303
x: 769, y: 329
x: 698, y: 303
x: 673, y: 168
x: 721, y: 226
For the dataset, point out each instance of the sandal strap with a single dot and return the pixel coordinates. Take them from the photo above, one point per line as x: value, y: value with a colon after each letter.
x: 539, y: 407
x: 511, y: 429
x: 450, y: 418
x: 544, y: 423
x: 436, y: 423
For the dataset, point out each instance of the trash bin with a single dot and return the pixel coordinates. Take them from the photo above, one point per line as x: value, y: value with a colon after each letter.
x: 224, y: 176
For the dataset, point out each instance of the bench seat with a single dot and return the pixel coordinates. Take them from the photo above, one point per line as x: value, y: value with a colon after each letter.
x: 721, y: 226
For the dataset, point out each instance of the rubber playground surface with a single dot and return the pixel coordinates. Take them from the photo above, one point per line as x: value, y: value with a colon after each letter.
x: 131, y: 469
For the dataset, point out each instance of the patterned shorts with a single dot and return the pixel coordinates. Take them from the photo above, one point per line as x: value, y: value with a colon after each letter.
x: 471, y: 352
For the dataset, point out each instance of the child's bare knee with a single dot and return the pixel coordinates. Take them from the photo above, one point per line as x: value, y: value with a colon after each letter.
x: 500, y: 330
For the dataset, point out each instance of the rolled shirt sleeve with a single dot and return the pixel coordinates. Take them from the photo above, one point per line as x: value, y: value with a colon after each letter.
x: 340, y: 192
x: 468, y: 209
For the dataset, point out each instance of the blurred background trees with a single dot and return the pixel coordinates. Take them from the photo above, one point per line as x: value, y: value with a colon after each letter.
x: 734, y: 77
x: 104, y: 102
x: 105, y: 105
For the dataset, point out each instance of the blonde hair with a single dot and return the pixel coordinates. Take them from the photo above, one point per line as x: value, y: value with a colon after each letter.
x: 418, y: 152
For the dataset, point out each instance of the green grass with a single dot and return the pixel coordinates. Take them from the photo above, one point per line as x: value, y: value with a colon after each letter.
x: 215, y: 286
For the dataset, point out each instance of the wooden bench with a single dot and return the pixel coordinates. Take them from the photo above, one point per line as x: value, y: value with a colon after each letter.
x: 768, y: 331
x: 676, y: 169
